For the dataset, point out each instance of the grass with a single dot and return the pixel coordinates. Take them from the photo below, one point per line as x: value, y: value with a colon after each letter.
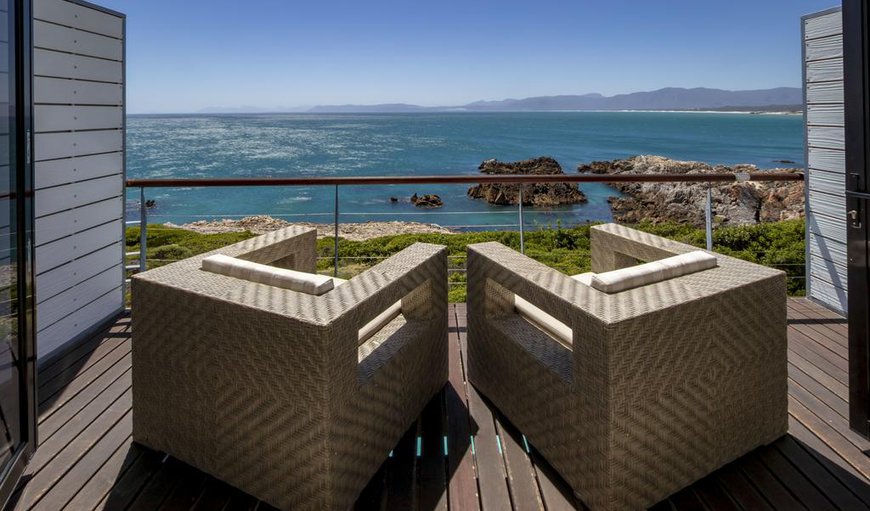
x: 780, y: 245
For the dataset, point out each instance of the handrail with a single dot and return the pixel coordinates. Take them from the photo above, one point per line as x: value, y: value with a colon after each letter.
x: 466, y: 179
x: 337, y: 182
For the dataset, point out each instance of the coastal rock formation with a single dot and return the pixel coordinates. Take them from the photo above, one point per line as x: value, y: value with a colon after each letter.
x: 735, y: 203
x: 427, y: 201
x: 541, y: 195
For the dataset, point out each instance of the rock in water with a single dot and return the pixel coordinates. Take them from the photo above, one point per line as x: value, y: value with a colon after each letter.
x: 427, y: 201
x: 735, y: 203
x: 542, y: 195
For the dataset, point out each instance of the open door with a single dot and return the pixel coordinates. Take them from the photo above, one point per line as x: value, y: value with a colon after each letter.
x: 856, y: 36
x: 17, y: 353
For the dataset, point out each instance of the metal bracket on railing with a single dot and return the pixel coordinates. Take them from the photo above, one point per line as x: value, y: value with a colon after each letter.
x: 708, y: 217
x: 522, y: 229
x: 143, y: 229
x: 335, y: 270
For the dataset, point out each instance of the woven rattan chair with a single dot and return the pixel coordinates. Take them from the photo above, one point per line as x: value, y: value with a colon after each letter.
x: 270, y: 390
x: 656, y: 386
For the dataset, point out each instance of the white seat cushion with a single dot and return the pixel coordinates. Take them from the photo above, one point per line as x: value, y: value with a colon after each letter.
x: 558, y: 330
x: 651, y: 273
x: 302, y: 282
x: 381, y: 320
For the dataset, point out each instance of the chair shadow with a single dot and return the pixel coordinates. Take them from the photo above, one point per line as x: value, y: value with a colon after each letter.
x: 420, y: 471
x: 786, y: 464
x: 818, y: 321
x: 411, y: 474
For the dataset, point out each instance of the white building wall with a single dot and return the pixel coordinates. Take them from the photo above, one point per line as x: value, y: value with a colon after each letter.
x: 78, y: 94
x: 826, y: 159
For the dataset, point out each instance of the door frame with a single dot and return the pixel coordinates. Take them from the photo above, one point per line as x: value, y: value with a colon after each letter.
x: 856, y: 53
x: 22, y: 154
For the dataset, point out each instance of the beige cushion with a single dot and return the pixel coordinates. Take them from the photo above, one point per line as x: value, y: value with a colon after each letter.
x: 264, y: 274
x: 558, y: 330
x: 656, y: 271
x: 381, y: 320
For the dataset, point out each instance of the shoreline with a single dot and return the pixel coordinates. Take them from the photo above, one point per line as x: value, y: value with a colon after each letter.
x: 360, y: 231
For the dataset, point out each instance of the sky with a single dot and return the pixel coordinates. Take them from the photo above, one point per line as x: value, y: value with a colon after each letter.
x: 191, y: 55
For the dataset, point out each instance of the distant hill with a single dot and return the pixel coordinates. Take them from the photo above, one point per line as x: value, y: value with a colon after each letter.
x: 362, y: 109
x: 672, y: 98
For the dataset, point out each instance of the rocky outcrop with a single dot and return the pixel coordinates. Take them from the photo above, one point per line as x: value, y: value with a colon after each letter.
x: 427, y: 201
x: 540, y: 195
x: 735, y: 203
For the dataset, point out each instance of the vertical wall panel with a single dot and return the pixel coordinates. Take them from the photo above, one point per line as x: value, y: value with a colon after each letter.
x: 826, y: 159
x: 79, y: 168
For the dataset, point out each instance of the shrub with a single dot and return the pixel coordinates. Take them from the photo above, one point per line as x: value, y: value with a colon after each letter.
x: 780, y: 245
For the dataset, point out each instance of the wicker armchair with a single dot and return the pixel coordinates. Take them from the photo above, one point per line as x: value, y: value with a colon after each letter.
x: 656, y: 387
x: 271, y: 390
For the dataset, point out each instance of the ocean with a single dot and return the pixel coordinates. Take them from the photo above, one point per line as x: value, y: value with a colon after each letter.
x: 289, y: 145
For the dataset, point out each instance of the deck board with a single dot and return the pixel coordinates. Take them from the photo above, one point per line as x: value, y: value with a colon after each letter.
x: 87, y: 460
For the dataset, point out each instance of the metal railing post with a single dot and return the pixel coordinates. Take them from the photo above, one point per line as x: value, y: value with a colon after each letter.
x: 335, y: 270
x: 708, y: 217
x: 143, y: 229
x: 522, y: 229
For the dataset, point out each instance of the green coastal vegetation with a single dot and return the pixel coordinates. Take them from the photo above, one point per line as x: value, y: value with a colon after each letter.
x: 779, y: 244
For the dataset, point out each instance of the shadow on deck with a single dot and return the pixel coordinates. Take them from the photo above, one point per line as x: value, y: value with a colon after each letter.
x: 460, y: 454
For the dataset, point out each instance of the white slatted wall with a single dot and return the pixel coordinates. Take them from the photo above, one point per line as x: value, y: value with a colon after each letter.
x: 826, y: 159
x: 78, y: 94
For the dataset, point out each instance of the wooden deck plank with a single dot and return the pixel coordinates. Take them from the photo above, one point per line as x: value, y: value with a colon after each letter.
x: 767, y: 485
x: 401, y: 473
x: 821, y: 392
x: 522, y: 482
x: 60, y: 374
x: 713, y: 495
x: 793, y: 480
x: 820, y: 316
x: 486, y: 447
x: 49, y: 475
x: 555, y: 492
x: 119, y: 329
x: 93, y: 393
x: 100, y: 485
x: 818, y: 475
x: 215, y: 495
x: 156, y: 491
x: 462, y: 483
x: 128, y: 486
x: 818, y: 330
x: 822, y: 358
x: 431, y: 484
x: 829, y: 416
x: 831, y: 437
x: 740, y: 489
x: 73, y: 480
x: 49, y: 447
x: 50, y: 404
x: 837, y: 387
x: 186, y: 492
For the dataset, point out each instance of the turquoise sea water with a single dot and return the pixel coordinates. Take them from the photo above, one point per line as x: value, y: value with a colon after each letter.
x: 284, y: 145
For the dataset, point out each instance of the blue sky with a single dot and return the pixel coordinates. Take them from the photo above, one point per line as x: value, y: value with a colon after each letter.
x: 188, y: 55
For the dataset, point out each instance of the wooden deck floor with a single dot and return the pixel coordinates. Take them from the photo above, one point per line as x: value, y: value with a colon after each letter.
x: 87, y: 459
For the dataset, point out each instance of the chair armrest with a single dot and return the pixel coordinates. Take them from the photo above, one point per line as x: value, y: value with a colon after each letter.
x: 416, y: 275
x: 553, y: 292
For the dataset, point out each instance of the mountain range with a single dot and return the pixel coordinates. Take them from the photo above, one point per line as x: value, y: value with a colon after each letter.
x: 671, y: 98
